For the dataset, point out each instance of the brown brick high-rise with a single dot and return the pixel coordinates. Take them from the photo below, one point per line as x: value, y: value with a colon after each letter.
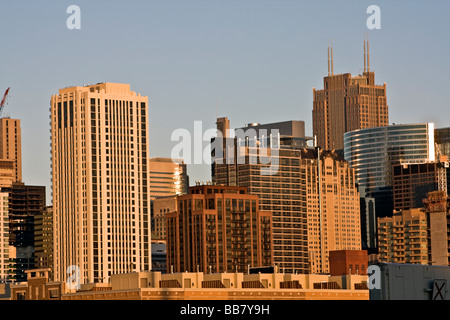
x: 348, y: 103
x: 218, y: 229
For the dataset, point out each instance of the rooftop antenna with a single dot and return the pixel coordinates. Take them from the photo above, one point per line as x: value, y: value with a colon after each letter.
x: 328, y: 57
x: 368, y: 64
x: 365, y: 54
x: 332, y: 68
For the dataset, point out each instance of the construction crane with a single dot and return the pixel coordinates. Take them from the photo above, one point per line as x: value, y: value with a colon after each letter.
x: 2, y: 104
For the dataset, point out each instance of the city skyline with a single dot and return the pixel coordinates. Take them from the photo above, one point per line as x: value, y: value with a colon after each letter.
x: 197, y: 59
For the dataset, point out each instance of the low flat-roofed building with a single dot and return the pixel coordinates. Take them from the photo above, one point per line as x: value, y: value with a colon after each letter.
x: 228, y: 286
x: 37, y: 287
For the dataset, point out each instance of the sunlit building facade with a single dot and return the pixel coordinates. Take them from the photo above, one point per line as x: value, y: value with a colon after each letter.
x: 100, y: 181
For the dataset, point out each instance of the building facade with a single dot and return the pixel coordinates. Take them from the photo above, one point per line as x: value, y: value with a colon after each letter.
x: 100, y: 181
x: 241, y: 160
x: 304, y: 230
x: 334, y: 222
x: 412, y: 182
x: 442, y: 139
x: 7, y: 173
x: 43, y: 240
x: 151, y: 285
x: 373, y: 152
x: 160, y: 207
x: 167, y: 177
x: 4, y: 237
x: 403, y: 238
x: 218, y: 229
x: 25, y: 203
x: 343, y: 262
x: 11, y: 145
x: 348, y: 103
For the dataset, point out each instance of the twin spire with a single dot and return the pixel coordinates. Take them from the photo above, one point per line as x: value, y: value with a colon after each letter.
x: 366, y: 56
x: 330, y: 62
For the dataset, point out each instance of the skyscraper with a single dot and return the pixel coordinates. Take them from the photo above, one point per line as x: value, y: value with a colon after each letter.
x: 373, y: 152
x: 333, y: 207
x: 11, y: 145
x: 304, y: 228
x: 100, y: 182
x: 347, y: 103
x: 278, y: 184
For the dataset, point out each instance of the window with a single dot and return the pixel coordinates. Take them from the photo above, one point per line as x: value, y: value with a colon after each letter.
x: 53, y: 294
x: 20, y: 295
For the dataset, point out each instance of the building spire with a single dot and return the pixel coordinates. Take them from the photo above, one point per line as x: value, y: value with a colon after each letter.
x: 328, y: 57
x: 368, y: 64
x: 365, y: 54
x: 332, y: 68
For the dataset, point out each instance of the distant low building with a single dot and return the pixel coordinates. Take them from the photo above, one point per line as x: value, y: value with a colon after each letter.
x: 344, y: 262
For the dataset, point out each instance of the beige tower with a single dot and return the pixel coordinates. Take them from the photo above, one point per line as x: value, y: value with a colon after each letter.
x: 11, y: 145
x: 333, y: 222
x: 100, y: 183
x: 347, y: 103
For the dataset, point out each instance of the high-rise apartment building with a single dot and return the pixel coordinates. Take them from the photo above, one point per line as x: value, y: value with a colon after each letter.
x: 418, y: 235
x: 347, y: 103
x: 25, y: 203
x: 101, y: 203
x: 304, y: 229
x: 240, y: 161
x: 43, y: 239
x: 7, y: 175
x: 403, y: 238
x: 11, y: 145
x: 218, y: 229
x: 4, y: 236
x: 160, y: 207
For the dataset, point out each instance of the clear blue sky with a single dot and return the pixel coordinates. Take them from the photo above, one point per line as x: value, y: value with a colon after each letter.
x: 257, y: 59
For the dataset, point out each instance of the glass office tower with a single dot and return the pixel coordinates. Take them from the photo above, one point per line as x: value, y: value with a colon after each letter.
x: 372, y: 152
